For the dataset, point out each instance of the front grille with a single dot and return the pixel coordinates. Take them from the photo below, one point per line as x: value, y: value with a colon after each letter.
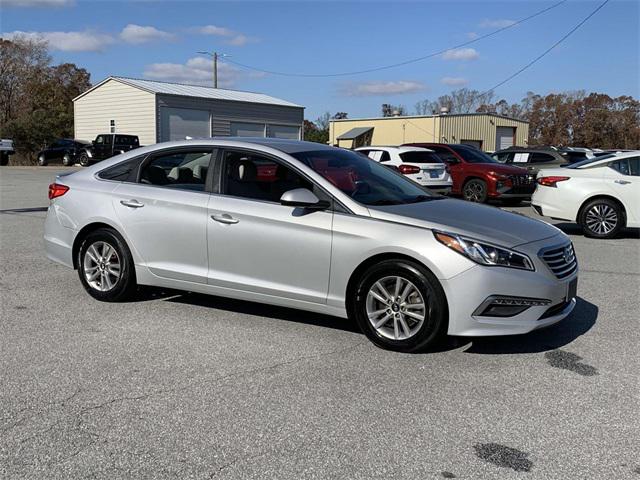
x: 522, y: 180
x: 560, y: 260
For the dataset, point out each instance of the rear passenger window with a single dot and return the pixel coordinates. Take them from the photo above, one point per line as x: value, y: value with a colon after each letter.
x: 384, y: 156
x: 185, y: 170
x: 537, y: 157
x: 121, y: 172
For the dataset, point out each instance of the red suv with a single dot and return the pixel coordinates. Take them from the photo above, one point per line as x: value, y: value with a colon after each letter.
x: 478, y: 177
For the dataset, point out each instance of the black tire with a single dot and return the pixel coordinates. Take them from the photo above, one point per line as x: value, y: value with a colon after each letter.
x: 125, y: 287
x: 84, y: 159
x: 610, y: 213
x: 434, y: 325
x: 512, y: 202
x: 42, y: 161
x: 475, y: 190
x: 66, y: 160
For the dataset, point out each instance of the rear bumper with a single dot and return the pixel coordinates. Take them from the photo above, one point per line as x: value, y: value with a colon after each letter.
x: 58, y: 240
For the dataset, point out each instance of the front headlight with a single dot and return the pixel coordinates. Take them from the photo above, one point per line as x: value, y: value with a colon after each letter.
x: 483, y: 253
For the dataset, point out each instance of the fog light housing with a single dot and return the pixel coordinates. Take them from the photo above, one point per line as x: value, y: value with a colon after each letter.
x: 507, y: 306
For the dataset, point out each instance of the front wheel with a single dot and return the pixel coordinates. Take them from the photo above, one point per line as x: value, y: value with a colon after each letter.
x: 105, y: 267
x: 84, y: 159
x: 475, y: 190
x: 66, y: 160
x: 42, y: 161
x: 400, y: 306
x: 601, y: 218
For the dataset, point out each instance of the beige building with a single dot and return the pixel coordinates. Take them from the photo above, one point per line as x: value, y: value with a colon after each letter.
x: 487, y: 131
x: 163, y: 111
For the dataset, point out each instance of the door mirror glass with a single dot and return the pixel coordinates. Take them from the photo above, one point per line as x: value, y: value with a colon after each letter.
x: 302, y: 197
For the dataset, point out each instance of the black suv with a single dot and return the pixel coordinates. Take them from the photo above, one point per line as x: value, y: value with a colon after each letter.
x: 531, y: 158
x: 63, y: 150
x: 107, y: 145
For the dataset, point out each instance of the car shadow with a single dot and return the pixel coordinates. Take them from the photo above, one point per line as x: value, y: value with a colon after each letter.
x: 574, y: 229
x: 556, y: 336
x: 264, y: 310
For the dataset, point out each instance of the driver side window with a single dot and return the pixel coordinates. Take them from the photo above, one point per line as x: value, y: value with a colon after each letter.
x: 255, y: 177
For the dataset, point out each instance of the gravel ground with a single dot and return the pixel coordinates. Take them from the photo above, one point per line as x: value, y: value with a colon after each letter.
x: 188, y: 386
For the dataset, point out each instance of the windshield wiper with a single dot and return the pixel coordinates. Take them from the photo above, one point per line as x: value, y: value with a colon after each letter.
x: 422, y: 198
x: 385, y: 202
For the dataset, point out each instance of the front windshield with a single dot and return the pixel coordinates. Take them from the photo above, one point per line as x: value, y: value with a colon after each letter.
x: 471, y: 155
x: 363, y: 179
x: 590, y: 160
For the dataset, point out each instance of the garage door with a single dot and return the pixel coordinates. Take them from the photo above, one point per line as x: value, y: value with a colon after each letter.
x: 178, y: 123
x: 504, y: 137
x: 284, y: 131
x: 246, y: 129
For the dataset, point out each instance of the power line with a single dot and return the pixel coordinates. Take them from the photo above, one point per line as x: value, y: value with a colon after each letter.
x: 406, y: 62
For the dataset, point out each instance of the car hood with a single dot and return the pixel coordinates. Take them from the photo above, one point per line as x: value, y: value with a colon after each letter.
x: 501, y: 168
x: 480, y: 222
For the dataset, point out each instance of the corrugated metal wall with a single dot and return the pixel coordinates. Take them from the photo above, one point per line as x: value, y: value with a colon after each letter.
x: 441, y: 128
x: 132, y: 109
x: 223, y: 112
x: 456, y: 128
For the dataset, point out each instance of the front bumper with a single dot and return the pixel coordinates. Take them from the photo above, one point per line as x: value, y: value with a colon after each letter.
x: 468, y: 290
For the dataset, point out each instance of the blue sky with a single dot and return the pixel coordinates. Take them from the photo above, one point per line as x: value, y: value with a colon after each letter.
x: 159, y: 40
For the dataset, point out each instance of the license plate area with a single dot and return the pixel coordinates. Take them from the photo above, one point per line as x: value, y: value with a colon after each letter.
x: 572, y: 289
x: 435, y: 173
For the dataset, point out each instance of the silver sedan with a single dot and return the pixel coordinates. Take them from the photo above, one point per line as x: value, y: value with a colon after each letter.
x: 312, y: 227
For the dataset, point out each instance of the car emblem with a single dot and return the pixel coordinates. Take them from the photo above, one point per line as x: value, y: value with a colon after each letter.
x: 567, y: 254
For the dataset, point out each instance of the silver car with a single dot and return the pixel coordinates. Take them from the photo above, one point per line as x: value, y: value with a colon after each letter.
x: 312, y: 227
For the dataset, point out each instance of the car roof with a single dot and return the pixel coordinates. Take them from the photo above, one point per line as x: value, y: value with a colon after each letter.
x: 282, y: 144
x: 528, y: 150
x: 600, y: 161
x: 401, y: 148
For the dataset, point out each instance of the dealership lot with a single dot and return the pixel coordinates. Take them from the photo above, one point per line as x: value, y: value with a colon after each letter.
x: 188, y: 386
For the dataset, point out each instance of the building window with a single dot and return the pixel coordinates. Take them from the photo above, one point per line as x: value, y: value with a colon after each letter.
x: 246, y: 129
x: 284, y: 131
x: 112, y: 126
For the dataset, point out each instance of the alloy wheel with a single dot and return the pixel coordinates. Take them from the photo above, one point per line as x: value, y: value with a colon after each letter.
x: 395, y: 308
x: 474, y: 191
x: 601, y: 219
x: 102, y: 266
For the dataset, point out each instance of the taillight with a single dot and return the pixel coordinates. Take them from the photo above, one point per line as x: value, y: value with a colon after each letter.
x: 409, y: 169
x: 551, y: 181
x: 56, y: 190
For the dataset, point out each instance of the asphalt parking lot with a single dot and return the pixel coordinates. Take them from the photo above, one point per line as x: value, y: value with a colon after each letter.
x: 179, y: 385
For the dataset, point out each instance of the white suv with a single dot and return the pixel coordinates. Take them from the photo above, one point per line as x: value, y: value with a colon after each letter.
x: 421, y: 165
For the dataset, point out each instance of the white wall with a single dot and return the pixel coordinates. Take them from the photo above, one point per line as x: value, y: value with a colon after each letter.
x: 133, y: 110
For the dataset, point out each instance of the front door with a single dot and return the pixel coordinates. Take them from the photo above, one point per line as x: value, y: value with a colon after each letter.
x: 260, y: 246
x: 165, y: 213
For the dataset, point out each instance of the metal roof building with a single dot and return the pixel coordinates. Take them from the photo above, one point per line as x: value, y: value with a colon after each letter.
x: 163, y: 111
x: 486, y: 131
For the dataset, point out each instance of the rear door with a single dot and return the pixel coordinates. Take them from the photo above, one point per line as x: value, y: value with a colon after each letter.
x: 623, y: 178
x: 164, y: 212
x: 256, y: 244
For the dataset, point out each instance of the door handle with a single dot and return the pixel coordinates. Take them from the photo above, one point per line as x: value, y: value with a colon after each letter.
x: 225, y: 218
x: 132, y: 203
x: 622, y: 182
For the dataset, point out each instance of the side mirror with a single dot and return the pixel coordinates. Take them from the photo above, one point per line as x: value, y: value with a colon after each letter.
x: 302, y: 197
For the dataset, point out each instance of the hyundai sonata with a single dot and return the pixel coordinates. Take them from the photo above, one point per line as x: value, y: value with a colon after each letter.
x: 311, y: 227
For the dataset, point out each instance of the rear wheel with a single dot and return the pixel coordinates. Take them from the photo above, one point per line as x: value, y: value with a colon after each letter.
x: 66, y: 160
x: 601, y: 218
x: 105, y: 266
x: 475, y: 190
x: 400, y: 306
x: 84, y: 159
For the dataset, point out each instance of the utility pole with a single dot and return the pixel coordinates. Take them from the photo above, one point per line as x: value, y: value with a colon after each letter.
x: 215, y: 56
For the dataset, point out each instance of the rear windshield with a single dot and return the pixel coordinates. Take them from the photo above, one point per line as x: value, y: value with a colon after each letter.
x: 420, y: 157
x: 588, y: 161
x: 126, y: 140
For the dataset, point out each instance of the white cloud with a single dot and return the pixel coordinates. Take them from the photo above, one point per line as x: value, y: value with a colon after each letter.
x: 496, y: 23
x: 232, y: 37
x: 366, y: 89
x: 461, y: 54
x: 197, y: 70
x: 138, y: 34
x: 454, y: 81
x: 472, y: 35
x: 36, y: 3
x: 86, y: 41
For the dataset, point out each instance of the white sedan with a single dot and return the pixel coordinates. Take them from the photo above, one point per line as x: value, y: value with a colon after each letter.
x: 601, y: 194
x: 421, y: 165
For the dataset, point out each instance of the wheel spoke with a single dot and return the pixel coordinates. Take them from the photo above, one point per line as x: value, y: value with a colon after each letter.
x: 398, y: 286
x: 382, y: 321
x: 382, y: 290
x: 414, y: 315
x: 405, y: 327
x: 377, y: 296
x: 93, y: 254
x: 396, y: 333
x: 414, y: 305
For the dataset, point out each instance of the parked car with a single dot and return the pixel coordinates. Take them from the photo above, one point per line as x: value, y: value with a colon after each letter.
x: 6, y: 149
x: 533, y: 159
x: 602, y: 194
x: 577, y: 154
x: 333, y: 233
x: 478, y: 177
x: 421, y: 165
x: 63, y: 150
x: 107, y: 145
